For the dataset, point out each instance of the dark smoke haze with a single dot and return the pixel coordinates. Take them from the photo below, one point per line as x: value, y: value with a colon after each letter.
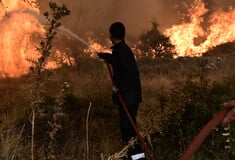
x: 97, y: 15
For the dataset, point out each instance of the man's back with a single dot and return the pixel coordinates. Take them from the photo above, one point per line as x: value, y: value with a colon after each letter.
x: 126, y: 74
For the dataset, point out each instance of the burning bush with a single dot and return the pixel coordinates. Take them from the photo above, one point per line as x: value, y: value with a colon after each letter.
x: 154, y: 44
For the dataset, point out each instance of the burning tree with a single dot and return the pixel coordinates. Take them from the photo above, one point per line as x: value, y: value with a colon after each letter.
x: 154, y: 44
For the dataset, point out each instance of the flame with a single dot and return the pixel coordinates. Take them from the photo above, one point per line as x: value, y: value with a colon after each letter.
x: 20, y: 24
x: 221, y: 30
x: 16, y: 46
x: 96, y: 47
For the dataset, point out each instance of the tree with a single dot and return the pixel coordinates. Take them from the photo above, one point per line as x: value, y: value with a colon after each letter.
x: 36, y: 89
x: 154, y: 44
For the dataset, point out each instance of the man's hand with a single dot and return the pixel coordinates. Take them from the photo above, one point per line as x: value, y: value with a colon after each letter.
x: 230, y: 117
x: 115, y: 89
x: 102, y: 55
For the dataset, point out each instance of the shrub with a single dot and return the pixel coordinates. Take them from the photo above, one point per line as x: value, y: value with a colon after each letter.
x: 154, y: 44
x: 192, y: 106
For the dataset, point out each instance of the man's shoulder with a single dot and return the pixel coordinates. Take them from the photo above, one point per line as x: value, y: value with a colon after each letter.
x: 125, y: 47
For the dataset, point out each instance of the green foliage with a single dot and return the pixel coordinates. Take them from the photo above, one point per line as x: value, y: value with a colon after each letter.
x: 192, y: 106
x: 154, y: 44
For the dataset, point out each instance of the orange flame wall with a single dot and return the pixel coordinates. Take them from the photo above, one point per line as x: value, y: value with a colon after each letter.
x: 184, y: 35
x: 16, y: 28
x: 18, y: 25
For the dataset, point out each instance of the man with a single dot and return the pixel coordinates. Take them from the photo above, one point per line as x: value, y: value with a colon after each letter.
x: 126, y: 77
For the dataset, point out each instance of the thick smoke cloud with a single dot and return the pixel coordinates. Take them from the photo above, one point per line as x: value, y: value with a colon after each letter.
x: 97, y: 15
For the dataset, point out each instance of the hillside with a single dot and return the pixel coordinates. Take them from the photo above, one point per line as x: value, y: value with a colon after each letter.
x: 91, y: 84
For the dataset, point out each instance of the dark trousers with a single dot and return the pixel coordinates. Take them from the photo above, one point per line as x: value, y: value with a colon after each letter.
x: 127, y: 131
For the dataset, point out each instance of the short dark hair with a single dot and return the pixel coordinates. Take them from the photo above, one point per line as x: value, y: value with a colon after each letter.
x: 117, y: 30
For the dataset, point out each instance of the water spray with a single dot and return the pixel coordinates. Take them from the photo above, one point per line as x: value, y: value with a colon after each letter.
x: 42, y: 19
x: 69, y: 32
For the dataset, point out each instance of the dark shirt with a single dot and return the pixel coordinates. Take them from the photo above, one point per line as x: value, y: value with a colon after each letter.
x: 125, y: 73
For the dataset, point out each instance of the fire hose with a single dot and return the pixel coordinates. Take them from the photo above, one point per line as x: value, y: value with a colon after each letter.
x: 202, y: 135
x: 196, y: 142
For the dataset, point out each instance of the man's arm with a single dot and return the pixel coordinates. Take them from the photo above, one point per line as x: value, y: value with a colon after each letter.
x: 105, y: 56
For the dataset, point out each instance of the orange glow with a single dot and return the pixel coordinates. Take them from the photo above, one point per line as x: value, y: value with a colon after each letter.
x: 19, y: 28
x: 16, y: 45
x: 96, y: 47
x: 221, y: 30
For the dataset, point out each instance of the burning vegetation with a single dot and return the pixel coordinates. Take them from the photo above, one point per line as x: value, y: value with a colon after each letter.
x: 199, y: 31
x: 190, y: 38
x: 186, y: 71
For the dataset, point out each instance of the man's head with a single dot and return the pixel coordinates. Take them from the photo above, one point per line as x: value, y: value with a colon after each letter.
x: 117, y: 32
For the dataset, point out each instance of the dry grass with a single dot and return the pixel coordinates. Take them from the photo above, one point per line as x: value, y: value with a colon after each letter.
x: 95, y: 86
x: 150, y: 87
x: 11, y: 144
x: 12, y: 107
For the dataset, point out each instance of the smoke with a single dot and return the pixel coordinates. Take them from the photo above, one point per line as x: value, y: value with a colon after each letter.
x: 220, y: 4
x: 19, y: 22
x: 96, y: 16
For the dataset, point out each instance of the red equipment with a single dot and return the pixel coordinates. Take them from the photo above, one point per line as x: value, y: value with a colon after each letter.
x: 202, y: 135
